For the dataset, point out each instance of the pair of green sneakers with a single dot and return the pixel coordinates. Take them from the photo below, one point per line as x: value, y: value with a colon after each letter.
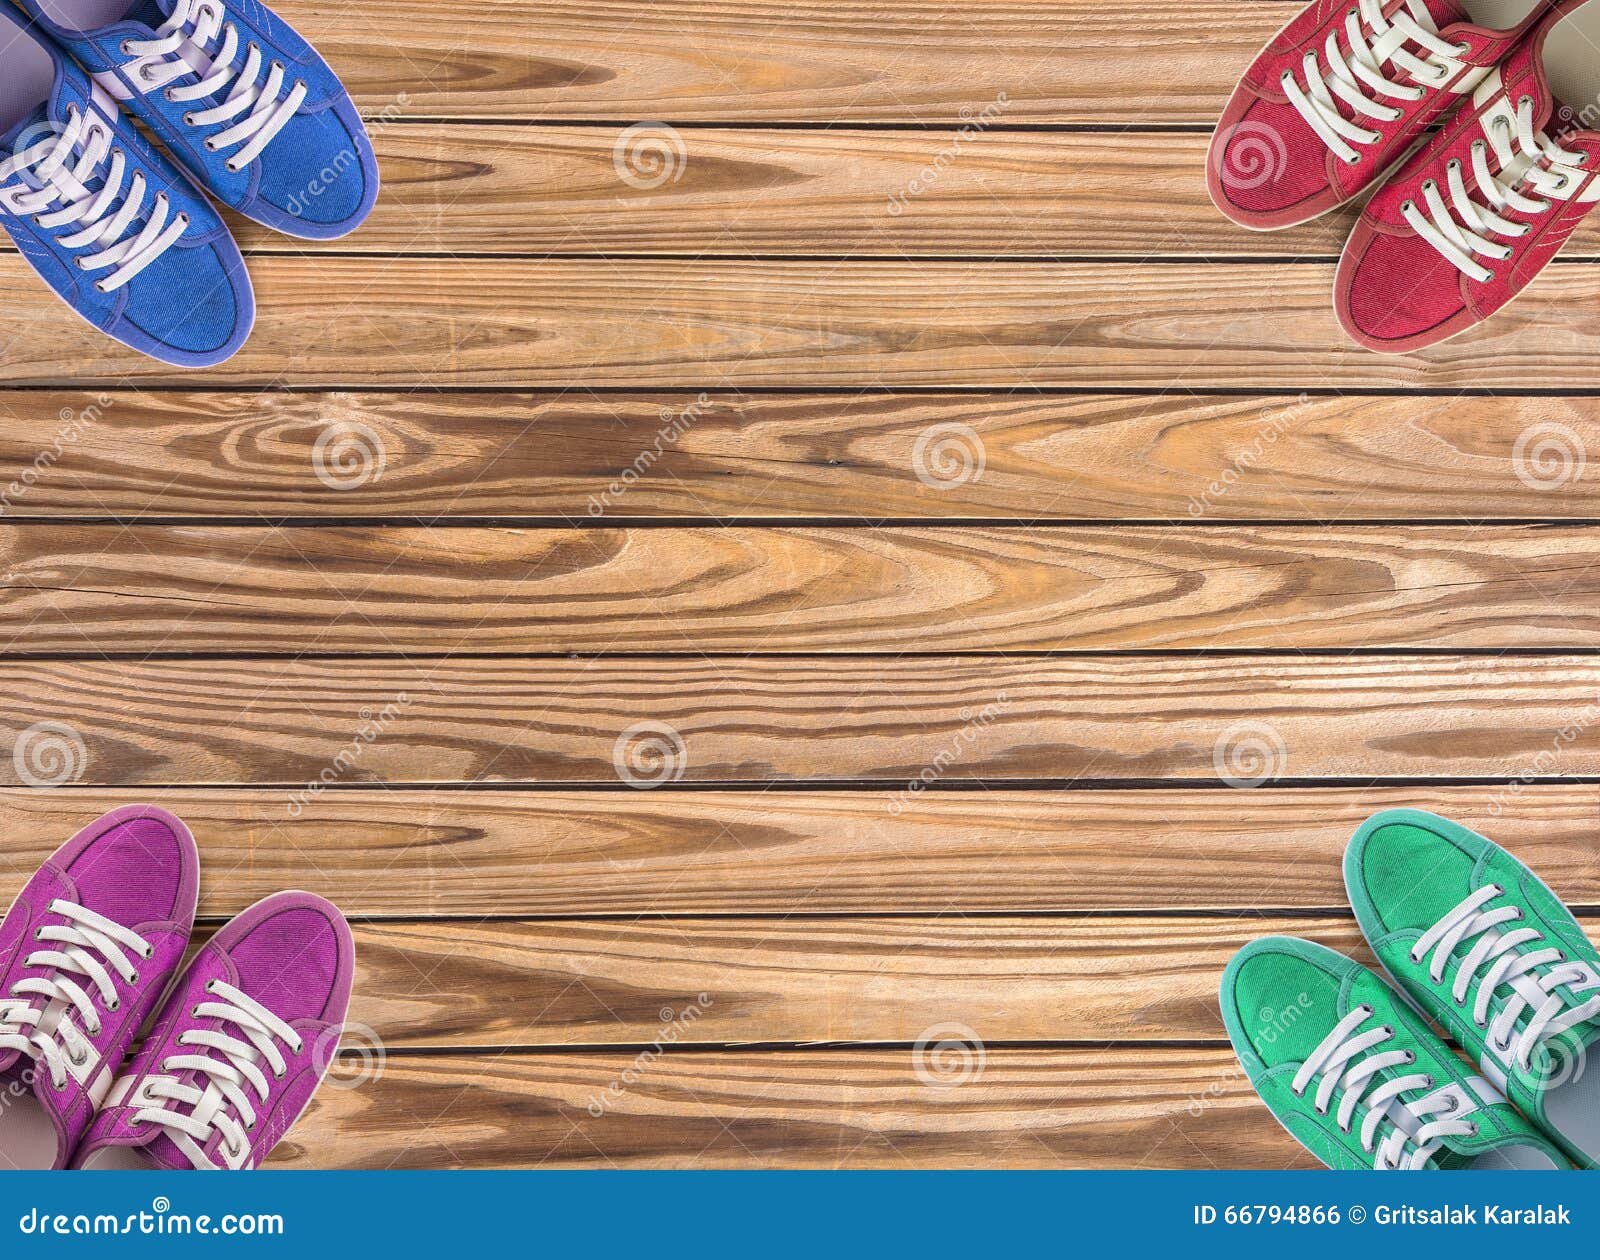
x: 1474, y: 941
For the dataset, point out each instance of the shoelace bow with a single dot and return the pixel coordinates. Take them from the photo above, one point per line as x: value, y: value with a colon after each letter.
x: 1378, y: 47
x: 102, y: 221
x: 1460, y: 229
x: 1347, y: 1063
x: 227, y: 1065
x: 1508, y: 957
x: 184, y: 46
x: 33, y: 1016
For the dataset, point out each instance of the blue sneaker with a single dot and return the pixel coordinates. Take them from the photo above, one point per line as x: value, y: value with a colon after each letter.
x: 240, y: 100
x: 107, y: 221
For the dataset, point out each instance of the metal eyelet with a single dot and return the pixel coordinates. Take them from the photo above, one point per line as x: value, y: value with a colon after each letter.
x: 1429, y: 185
x: 168, y: 97
x: 114, y: 1005
x: 188, y: 118
x: 210, y: 144
x: 149, y: 953
x: 211, y: 986
x: 1406, y: 207
x: 1411, y: 1056
x: 1463, y: 48
x: 127, y: 48
x: 194, y: 1013
x: 100, y: 287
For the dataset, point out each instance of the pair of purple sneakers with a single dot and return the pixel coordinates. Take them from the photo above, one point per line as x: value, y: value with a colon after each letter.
x: 242, y: 1036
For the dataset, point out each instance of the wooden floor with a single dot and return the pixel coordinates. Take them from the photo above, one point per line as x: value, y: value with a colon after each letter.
x: 756, y: 617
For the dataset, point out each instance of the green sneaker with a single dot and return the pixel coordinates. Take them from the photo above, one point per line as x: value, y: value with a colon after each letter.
x: 1356, y: 1075
x: 1492, y: 954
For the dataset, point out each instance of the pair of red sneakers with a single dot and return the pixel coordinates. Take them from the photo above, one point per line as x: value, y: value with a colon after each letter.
x: 1347, y: 90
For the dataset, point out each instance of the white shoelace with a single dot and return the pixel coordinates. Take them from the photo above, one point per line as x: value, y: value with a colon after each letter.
x: 1346, y: 1064
x: 184, y: 46
x: 1379, y: 46
x: 228, y: 1065
x: 1459, y: 230
x: 62, y: 165
x: 32, y: 1016
x: 1509, y: 960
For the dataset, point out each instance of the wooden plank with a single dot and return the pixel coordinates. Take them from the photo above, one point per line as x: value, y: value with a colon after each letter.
x: 403, y: 852
x: 1144, y: 1107
x: 128, y: 454
x: 731, y: 60
x: 799, y: 979
x: 472, y: 190
x: 193, y: 588
x: 720, y: 323
x: 314, y: 726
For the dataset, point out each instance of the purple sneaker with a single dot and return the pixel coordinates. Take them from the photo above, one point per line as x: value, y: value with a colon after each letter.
x: 86, y: 951
x: 241, y: 1044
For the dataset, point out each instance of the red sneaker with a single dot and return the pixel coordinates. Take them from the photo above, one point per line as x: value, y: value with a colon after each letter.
x: 1340, y: 95
x: 1465, y: 224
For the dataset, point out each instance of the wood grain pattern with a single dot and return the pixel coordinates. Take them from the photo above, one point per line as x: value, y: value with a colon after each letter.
x: 767, y: 720
x: 1138, y: 1107
x: 413, y: 853
x: 127, y: 454
x: 722, y: 60
x: 722, y: 323
x: 474, y: 190
x: 178, y: 589
x: 795, y: 980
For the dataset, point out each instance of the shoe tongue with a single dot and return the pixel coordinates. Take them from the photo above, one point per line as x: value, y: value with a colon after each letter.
x: 1446, y: 12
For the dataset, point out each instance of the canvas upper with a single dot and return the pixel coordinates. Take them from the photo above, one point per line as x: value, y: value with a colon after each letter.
x: 1492, y: 954
x: 1464, y: 225
x: 112, y: 226
x: 243, y: 103
x: 85, y: 952
x: 240, y: 1046
x: 1340, y: 95
x: 1356, y: 1075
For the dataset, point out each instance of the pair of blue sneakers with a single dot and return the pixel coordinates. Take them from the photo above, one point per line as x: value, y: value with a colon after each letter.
x: 122, y: 231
